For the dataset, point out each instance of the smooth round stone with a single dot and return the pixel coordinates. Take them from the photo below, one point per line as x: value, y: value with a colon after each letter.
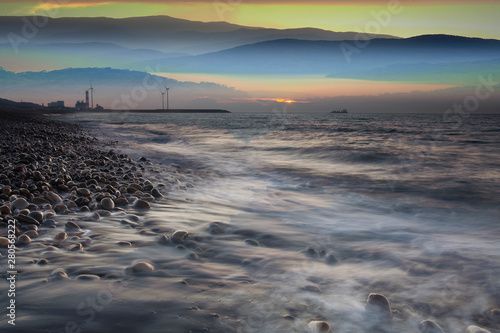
x: 156, y: 193
x: 4, y: 242
x: 107, y: 204
x: 429, y: 326
x: 37, y: 215
x: 142, y: 267
x: 72, y: 225
x: 76, y: 247
x: 147, y: 197
x: 104, y: 213
x: 49, y: 223
x: 141, y: 204
x: 88, y: 277
x: 31, y: 233
x: 124, y: 243
x: 42, y: 262
x: 20, y: 203
x: 121, y: 201
x: 379, y: 305
x: 163, y: 239
x: 53, y: 197
x: 95, y: 216
x: 25, y: 219
x: 23, y: 240
x: 133, y: 218
x: 494, y: 315
x: 252, y: 242
x: 331, y: 259
x: 25, y: 211
x: 59, y: 274
x: 39, y: 200
x: 60, y: 236
x: 179, y: 236
x: 37, y: 175
x: 476, y: 329
x: 72, y: 205
x: 60, y: 208
x: 5, y: 210
x: 84, y: 192
x: 319, y: 327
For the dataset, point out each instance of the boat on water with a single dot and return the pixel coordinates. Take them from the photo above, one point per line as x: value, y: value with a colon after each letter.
x: 339, y: 111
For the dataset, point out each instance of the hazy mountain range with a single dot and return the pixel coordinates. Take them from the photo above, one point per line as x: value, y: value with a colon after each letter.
x: 161, y: 33
x: 117, y: 54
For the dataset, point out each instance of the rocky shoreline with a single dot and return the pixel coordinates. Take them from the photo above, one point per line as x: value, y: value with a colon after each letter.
x: 56, y: 180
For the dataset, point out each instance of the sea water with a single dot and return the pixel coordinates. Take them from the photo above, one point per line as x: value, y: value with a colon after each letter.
x: 314, y: 212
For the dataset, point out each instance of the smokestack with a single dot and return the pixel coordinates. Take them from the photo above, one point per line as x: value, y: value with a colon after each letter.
x: 87, y: 98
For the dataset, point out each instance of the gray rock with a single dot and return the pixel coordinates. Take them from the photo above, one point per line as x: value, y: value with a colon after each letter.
x: 60, y: 237
x: 53, y: 197
x: 179, y: 236
x: 23, y: 240
x: 476, y: 329
x: 141, y: 204
x: 379, y: 306
x: 142, y: 267
x: 429, y: 326
x: 84, y: 192
x: 72, y: 225
x: 319, y: 327
x: 25, y: 219
x: 20, y: 203
x: 37, y: 215
x: 107, y: 204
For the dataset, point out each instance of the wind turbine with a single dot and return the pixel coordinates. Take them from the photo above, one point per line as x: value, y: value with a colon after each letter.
x: 166, y: 90
x: 91, y: 95
x: 163, y: 100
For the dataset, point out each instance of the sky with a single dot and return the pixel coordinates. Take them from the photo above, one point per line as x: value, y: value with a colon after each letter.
x: 403, y: 18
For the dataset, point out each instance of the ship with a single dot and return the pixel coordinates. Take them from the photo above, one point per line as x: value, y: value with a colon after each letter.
x: 339, y: 111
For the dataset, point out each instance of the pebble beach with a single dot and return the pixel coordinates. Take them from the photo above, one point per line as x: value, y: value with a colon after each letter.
x: 92, y: 253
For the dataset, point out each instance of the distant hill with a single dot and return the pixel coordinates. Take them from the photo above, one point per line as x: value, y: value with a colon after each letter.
x: 291, y: 56
x: 113, y: 88
x: 5, y: 103
x: 162, y: 33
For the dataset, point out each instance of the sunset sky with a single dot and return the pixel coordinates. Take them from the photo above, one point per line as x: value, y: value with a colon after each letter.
x: 465, y: 17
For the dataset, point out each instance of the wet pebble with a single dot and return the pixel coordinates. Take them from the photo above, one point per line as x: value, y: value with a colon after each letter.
x: 83, y: 192
x: 60, y: 208
x: 53, y: 197
x: 88, y: 277
x: 319, y: 327
x: 252, y: 242
x: 31, y: 233
x: 378, y: 305
x: 476, y: 329
x: 23, y: 240
x: 20, y: 203
x: 141, y: 204
x: 37, y: 215
x: 429, y: 326
x: 4, y: 242
x: 107, y: 204
x: 27, y: 219
x: 142, y: 267
x: 179, y: 236
x: 60, y: 237
x: 72, y: 225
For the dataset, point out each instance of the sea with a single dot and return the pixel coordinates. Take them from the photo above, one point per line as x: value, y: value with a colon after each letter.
x: 300, y: 216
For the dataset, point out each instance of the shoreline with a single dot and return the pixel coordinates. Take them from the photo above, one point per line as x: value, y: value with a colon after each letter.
x: 143, y: 269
